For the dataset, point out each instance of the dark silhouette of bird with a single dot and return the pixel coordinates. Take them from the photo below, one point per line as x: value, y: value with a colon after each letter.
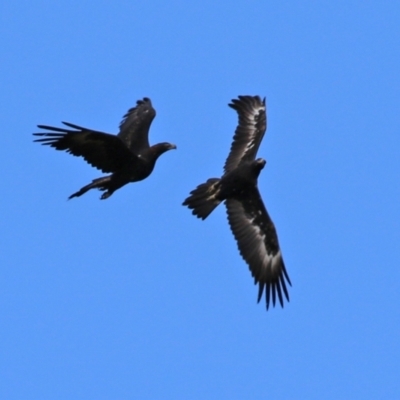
x: 128, y: 157
x: 248, y: 218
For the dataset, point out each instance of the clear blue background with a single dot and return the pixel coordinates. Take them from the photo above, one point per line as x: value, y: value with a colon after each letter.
x: 133, y: 297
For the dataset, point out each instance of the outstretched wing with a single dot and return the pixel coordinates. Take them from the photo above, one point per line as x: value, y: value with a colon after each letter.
x: 249, y: 132
x: 258, y: 244
x: 134, y: 128
x: 106, y: 152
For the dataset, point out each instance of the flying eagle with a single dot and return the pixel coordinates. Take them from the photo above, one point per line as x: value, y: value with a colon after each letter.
x: 248, y: 218
x: 128, y: 157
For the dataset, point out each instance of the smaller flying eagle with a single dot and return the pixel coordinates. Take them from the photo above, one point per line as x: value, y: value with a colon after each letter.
x: 128, y: 157
x: 248, y: 218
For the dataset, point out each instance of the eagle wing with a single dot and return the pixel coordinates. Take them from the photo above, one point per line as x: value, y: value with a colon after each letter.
x: 249, y: 132
x: 106, y: 152
x: 135, y: 125
x: 258, y: 244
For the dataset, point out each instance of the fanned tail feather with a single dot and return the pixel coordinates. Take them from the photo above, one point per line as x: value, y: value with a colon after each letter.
x: 204, y: 199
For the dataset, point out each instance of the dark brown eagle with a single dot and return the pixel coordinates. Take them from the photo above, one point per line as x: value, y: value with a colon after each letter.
x: 128, y: 157
x: 248, y: 218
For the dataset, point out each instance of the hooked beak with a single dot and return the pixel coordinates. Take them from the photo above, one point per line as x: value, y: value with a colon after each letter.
x: 261, y: 162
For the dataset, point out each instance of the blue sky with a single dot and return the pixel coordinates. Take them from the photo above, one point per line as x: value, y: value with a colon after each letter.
x: 133, y: 297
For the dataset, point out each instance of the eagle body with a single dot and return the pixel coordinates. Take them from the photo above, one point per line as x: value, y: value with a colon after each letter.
x: 236, y: 183
x: 128, y: 157
x: 248, y: 218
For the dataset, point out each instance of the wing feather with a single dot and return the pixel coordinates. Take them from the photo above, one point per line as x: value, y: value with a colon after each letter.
x: 258, y: 244
x: 249, y: 132
x: 135, y: 125
x: 101, y: 150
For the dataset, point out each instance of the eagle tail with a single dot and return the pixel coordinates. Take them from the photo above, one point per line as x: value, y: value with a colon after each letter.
x: 99, y: 183
x: 204, y: 198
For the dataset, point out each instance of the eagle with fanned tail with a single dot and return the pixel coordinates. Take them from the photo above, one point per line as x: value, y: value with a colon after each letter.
x: 248, y: 218
x: 127, y: 156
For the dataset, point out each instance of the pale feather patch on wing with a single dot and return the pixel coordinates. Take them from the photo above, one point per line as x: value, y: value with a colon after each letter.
x: 252, y: 119
x: 249, y: 132
x: 258, y: 245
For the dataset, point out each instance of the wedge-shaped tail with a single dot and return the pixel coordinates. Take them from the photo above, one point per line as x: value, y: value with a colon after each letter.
x: 204, y: 198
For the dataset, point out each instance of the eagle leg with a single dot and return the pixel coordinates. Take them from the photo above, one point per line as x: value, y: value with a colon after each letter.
x: 99, y: 183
